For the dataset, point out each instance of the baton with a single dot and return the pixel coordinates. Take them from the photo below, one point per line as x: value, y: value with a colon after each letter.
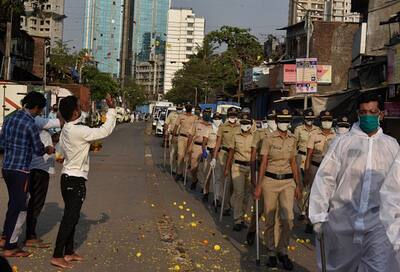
x: 206, y: 185
x: 186, y: 168
x: 214, y: 190
x: 165, y: 153
x: 223, y: 201
x: 322, y: 251
x: 257, y: 230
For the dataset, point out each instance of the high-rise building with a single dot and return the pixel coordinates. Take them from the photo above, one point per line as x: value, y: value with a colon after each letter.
x: 44, y: 20
x: 102, y: 33
x: 148, y: 42
x: 322, y: 10
x: 184, y: 35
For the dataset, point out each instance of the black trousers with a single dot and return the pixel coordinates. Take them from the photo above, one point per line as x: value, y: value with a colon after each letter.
x: 73, y: 190
x: 17, y: 185
x: 38, y: 186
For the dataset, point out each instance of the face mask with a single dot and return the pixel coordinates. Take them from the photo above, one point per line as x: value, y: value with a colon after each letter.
x: 197, y: 113
x: 217, y: 122
x: 179, y: 111
x: 309, y: 122
x: 342, y: 130
x: 272, y: 125
x: 245, y: 128
x: 326, y: 124
x: 369, y: 123
x: 232, y: 120
x: 283, y: 126
x: 264, y: 125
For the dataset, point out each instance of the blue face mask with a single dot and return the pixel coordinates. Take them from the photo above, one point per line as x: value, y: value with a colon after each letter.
x: 369, y: 123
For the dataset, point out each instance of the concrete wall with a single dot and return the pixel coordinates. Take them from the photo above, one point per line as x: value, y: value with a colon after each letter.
x: 378, y: 36
x: 332, y: 44
x: 38, y: 57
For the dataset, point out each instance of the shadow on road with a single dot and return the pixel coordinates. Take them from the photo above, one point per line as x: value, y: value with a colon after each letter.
x: 52, y: 214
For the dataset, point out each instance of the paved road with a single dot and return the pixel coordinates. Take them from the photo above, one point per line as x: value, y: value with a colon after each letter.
x: 136, y: 218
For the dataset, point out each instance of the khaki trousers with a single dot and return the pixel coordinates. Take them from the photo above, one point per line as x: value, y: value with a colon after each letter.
x: 173, y: 148
x: 241, y: 194
x: 182, y: 151
x: 278, y: 195
x: 194, y: 160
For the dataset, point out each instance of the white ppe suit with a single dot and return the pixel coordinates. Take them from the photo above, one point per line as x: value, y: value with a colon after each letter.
x: 390, y: 205
x: 345, y: 195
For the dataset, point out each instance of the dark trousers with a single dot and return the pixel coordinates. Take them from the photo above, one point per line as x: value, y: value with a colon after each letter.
x: 73, y: 190
x: 38, y: 186
x: 17, y: 185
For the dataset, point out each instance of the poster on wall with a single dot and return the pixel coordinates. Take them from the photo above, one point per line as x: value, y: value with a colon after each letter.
x: 306, y: 75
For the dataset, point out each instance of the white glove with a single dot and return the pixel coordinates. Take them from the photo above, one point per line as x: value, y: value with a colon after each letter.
x: 318, y: 228
x: 213, y: 163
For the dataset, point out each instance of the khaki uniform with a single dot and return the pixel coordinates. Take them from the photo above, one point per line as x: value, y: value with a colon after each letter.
x: 278, y: 193
x: 185, y: 123
x: 205, y: 167
x: 241, y: 175
x: 201, y: 130
x: 319, y: 142
x: 173, y: 146
x: 226, y: 131
x: 302, y: 133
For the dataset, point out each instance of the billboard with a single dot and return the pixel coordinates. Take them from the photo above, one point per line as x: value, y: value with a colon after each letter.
x: 324, y: 74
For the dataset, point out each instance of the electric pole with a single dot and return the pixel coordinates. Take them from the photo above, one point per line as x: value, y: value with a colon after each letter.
x: 7, y: 55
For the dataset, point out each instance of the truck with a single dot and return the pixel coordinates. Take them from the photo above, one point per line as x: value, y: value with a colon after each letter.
x: 11, y: 95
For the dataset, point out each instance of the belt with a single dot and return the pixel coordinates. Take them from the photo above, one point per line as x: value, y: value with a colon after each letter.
x: 317, y: 164
x: 198, y: 143
x: 278, y: 176
x: 301, y: 152
x: 224, y: 148
x: 210, y: 149
x: 244, y: 163
x: 183, y: 135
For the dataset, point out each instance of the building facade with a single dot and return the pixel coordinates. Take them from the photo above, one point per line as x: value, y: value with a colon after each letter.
x: 185, y: 34
x: 44, y: 20
x: 148, y: 42
x: 102, y: 33
x: 322, y: 10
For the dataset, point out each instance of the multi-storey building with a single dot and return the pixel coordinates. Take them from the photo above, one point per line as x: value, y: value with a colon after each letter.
x: 148, y: 42
x: 44, y: 20
x: 102, y: 33
x: 322, y: 10
x: 184, y: 35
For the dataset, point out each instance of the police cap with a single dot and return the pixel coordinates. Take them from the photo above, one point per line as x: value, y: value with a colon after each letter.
x: 245, y: 119
x: 309, y: 114
x: 326, y: 116
x: 232, y: 111
x: 284, y: 115
x: 343, y: 122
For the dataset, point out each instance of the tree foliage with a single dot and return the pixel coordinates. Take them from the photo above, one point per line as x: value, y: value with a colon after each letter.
x: 133, y: 94
x: 100, y: 83
x: 215, y: 72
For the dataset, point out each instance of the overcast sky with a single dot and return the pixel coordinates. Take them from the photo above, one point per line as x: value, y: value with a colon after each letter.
x: 261, y: 16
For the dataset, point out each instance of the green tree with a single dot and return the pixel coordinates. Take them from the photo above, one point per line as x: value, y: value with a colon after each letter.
x: 100, y: 83
x: 61, y: 61
x: 133, y: 94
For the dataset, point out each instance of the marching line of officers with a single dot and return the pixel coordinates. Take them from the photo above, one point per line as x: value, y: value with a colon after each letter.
x: 269, y: 163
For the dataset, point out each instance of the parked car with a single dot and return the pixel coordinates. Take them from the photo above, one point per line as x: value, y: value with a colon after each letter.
x: 160, y: 124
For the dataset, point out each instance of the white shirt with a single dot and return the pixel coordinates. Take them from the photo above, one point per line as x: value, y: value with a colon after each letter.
x: 75, y: 142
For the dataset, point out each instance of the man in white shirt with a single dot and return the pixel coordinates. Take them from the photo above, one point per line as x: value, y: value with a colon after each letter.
x: 75, y: 142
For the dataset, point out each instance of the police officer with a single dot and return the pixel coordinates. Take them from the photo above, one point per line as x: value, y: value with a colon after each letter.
x: 224, y: 139
x: 268, y: 126
x: 185, y: 123
x: 342, y: 125
x: 239, y: 163
x: 197, y: 111
x: 317, y: 146
x: 303, y: 133
x: 168, y: 129
x: 279, y: 184
x: 198, y: 138
x: 211, y: 143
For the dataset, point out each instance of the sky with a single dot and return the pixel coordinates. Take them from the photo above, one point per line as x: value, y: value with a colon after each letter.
x: 261, y: 16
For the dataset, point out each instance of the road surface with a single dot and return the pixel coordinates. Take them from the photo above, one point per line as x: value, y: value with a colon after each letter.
x: 137, y: 218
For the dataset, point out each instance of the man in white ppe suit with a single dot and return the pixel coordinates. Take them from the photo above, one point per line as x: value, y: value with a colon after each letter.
x: 345, y: 202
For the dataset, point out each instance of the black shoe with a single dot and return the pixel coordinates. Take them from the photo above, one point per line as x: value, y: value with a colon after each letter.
x: 178, y: 177
x: 251, y: 237
x: 226, y: 212
x: 205, y: 198
x: 193, y: 186
x: 272, y: 262
x: 237, y: 227
x: 301, y: 217
x: 309, y: 229
x: 218, y: 203
x: 286, y: 262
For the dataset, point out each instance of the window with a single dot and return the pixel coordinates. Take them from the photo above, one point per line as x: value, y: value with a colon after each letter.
x: 189, y: 48
x: 190, y: 24
x: 48, y: 22
x: 188, y: 56
x: 48, y: 7
x: 41, y: 22
x: 189, y: 40
x: 190, y: 33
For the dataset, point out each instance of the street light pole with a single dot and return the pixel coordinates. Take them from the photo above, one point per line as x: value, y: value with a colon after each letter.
x: 308, y: 28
